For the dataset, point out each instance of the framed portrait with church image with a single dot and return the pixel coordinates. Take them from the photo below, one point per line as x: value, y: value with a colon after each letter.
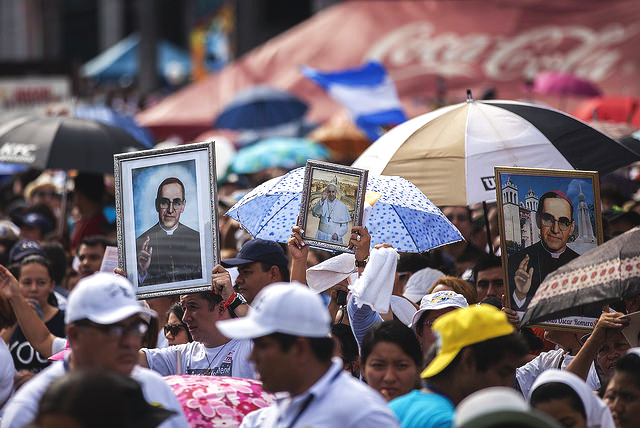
x: 167, y: 218
x: 332, y: 203
x: 547, y: 218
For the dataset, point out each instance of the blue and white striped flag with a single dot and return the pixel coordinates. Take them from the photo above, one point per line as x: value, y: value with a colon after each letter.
x: 367, y: 92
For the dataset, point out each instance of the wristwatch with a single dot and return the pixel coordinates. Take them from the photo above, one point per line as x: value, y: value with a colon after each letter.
x: 362, y: 263
x: 239, y: 300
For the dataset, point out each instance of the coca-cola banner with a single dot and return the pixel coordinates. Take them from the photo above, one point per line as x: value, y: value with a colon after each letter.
x: 433, y: 50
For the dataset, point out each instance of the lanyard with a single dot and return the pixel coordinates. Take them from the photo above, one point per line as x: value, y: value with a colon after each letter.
x: 308, y: 401
x: 301, y: 411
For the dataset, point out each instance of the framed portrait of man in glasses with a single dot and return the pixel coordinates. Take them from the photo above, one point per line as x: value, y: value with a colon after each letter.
x: 547, y: 218
x: 166, y: 218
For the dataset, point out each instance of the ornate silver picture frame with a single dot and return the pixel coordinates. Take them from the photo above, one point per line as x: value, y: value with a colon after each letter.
x: 167, y: 218
x: 332, y: 203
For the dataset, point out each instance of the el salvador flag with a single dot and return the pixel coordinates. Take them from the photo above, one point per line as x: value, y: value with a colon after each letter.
x: 367, y: 92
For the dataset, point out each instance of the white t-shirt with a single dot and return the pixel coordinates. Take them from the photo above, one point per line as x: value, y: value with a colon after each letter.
x: 23, y: 406
x: 162, y: 340
x: 337, y: 399
x: 230, y: 359
x: 556, y: 359
x: 7, y: 373
x: 58, y: 344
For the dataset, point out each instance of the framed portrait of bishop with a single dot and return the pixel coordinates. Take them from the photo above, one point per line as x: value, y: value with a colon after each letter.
x: 547, y: 218
x: 167, y: 218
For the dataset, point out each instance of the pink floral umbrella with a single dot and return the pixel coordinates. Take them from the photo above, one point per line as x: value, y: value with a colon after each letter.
x: 218, y: 401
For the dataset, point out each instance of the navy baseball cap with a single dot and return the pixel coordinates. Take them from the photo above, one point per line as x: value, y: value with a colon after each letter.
x: 37, y: 220
x: 24, y: 248
x: 258, y: 250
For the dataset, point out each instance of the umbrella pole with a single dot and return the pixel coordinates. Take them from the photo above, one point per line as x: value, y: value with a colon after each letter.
x: 486, y: 226
x: 63, y: 208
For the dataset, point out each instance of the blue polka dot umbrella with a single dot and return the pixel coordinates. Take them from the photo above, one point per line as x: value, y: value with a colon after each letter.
x: 402, y: 216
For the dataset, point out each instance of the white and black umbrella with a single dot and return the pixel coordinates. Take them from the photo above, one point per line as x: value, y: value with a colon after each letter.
x: 450, y: 153
x: 62, y: 142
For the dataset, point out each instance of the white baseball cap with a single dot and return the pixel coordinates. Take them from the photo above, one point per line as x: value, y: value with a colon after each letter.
x: 420, y: 282
x: 439, y: 300
x: 499, y: 406
x: 289, y: 308
x: 103, y: 298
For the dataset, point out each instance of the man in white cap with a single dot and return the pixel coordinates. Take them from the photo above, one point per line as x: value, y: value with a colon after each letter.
x: 432, y: 306
x: 105, y: 327
x: 292, y: 351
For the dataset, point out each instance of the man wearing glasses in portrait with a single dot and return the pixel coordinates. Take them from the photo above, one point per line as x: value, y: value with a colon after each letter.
x: 169, y: 251
x: 529, y: 267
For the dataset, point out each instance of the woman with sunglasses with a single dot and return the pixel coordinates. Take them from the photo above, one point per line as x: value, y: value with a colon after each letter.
x: 175, y: 330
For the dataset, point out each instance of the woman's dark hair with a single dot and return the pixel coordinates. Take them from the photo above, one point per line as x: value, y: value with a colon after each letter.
x: 392, y: 332
x: 100, y: 399
x: 630, y: 364
x: 43, y: 261
x: 176, y: 309
x: 557, y: 391
x: 150, y: 338
x: 344, y: 335
x: 55, y: 253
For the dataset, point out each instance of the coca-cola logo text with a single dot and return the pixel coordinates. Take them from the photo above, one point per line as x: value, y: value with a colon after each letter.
x: 415, y: 49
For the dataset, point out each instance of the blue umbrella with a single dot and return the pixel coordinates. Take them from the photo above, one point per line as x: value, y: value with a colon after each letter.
x: 111, y: 117
x: 10, y: 168
x: 286, y: 153
x: 402, y: 216
x: 261, y: 107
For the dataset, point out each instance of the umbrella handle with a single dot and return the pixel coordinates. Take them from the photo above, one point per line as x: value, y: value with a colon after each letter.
x: 486, y: 226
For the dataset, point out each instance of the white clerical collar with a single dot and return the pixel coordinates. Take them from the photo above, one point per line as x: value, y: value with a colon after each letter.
x: 553, y: 255
x: 169, y: 231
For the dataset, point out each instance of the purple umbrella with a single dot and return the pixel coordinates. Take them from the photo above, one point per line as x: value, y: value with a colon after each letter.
x: 558, y: 83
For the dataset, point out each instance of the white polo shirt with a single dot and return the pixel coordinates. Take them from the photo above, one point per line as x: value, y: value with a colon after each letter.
x: 22, y: 407
x: 337, y: 399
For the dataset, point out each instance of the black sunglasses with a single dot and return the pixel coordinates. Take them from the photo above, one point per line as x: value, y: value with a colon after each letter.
x: 174, y: 329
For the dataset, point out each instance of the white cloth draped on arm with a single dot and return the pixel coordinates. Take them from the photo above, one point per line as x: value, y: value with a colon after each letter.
x: 375, y: 286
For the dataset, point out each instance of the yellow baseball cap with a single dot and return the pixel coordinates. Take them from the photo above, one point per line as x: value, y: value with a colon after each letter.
x: 464, y: 327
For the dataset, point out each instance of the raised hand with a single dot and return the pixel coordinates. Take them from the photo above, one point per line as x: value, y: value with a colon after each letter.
x: 522, y: 278
x: 144, y: 257
x: 8, y: 283
x: 512, y: 316
x: 297, y: 248
x: 360, y: 240
x: 221, y: 282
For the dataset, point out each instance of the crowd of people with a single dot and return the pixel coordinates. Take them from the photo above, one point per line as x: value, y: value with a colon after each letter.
x: 421, y: 340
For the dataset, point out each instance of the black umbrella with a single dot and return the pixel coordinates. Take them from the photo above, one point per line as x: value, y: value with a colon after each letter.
x: 61, y: 142
x: 600, y: 276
